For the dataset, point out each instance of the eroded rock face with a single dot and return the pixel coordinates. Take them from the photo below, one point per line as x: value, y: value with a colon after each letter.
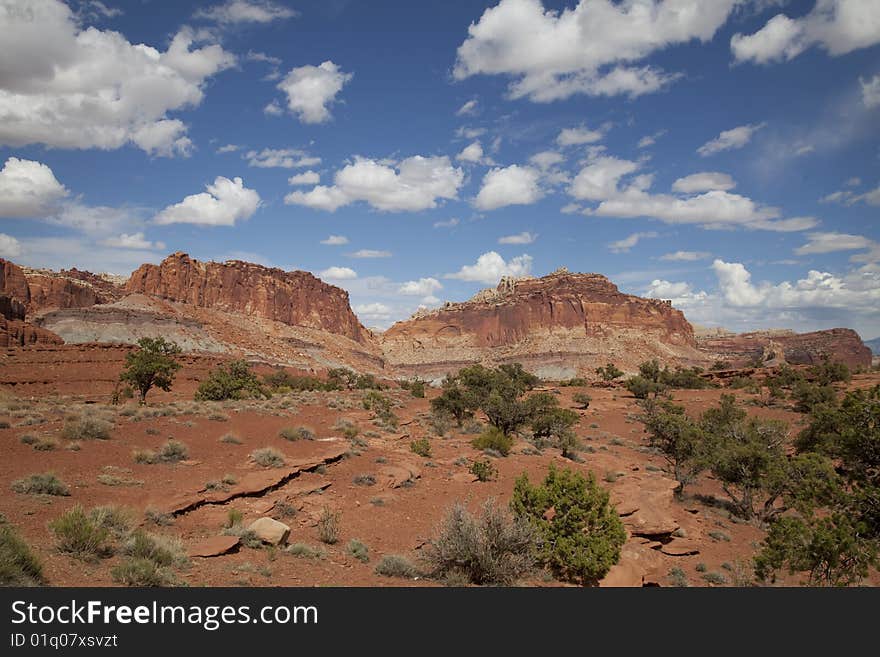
x: 562, y: 324
x: 839, y: 344
x: 16, y: 333
x: 14, y: 297
x: 296, y: 298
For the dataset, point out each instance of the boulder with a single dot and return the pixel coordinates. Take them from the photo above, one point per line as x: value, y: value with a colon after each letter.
x: 213, y: 546
x: 270, y: 530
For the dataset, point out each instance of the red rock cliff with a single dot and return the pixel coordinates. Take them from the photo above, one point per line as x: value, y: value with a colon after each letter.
x: 296, y: 298
x: 839, y: 344
x: 564, y: 323
x: 14, y: 299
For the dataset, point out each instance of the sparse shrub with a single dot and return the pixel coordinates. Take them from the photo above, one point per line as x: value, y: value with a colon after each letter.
x: 574, y: 382
x: 77, y: 534
x: 328, y: 526
x: 719, y: 536
x: 4, y: 424
x: 358, y: 550
x: 28, y: 439
x: 153, y: 364
x: 230, y: 439
x: 19, y: 566
x: 581, y: 540
x: 233, y: 380
x: 493, y: 548
x: 483, y: 470
x: 809, y: 396
x: 677, y: 577
x: 142, y: 572
x: 643, y: 388
x: 364, y: 480
x: 440, y: 422
x: 678, y: 438
x: 115, y: 519
x: 115, y: 476
x: 829, y: 372
x: 268, y: 457
x: 233, y: 517
x: 158, y: 518
x: 394, y: 565
x: 41, y: 484
x: 297, y: 433
x: 493, y: 438
x: 421, y: 446
x: 582, y: 399
x: 382, y: 410
x: 172, y: 452
x: 609, y: 372
x: 161, y: 550
x: 305, y: 551
x: 86, y: 427
x: 715, y: 578
x: 46, y: 444
x: 416, y: 387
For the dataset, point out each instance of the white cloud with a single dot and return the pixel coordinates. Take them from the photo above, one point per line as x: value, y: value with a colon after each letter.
x: 871, y: 92
x: 837, y: 26
x: 513, y: 185
x: 373, y: 312
x: 468, y: 108
x: 685, y: 256
x: 28, y: 189
x: 682, y: 295
x: 225, y: 202
x: 624, y: 245
x: 650, y: 140
x: 423, y: 287
x: 730, y: 139
x: 591, y: 49
x: 335, y: 240
x: 520, y: 238
x: 312, y: 89
x: 338, y: 273
x: 371, y: 253
x: 9, y: 246
x: 67, y: 87
x: 578, y: 136
x: 413, y: 184
x: 467, y: 132
x: 546, y: 159
x: 849, y: 197
x: 132, y: 241
x: 831, y: 242
x: 449, y: 223
x: 273, y: 109
x: 491, y: 267
x: 228, y: 148
x: 471, y: 153
x: 281, y: 158
x: 704, y: 181
x: 599, y: 179
x: 305, y: 178
x: 246, y: 11
x: 256, y: 56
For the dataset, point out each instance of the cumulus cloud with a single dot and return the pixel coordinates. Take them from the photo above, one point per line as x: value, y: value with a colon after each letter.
x: 831, y: 242
x: 469, y: 108
x: 871, y: 92
x: 413, y: 184
x: 491, y: 267
x: 246, y: 11
x: 513, y: 185
x: 602, y: 180
x: 471, y: 153
x: 422, y: 287
x: 849, y: 197
x: 685, y: 256
x: 338, y: 273
x: 704, y: 181
x: 594, y: 48
x: 546, y: 159
x: 281, y: 158
x: 225, y: 202
x: 132, y: 241
x: 311, y: 90
x: 305, y: 178
x: 9, y: 246
x: 578, y: 136
x: 28, y: 189
x: 520, y: 238
x: 67, y: 87
x: 371, y: 253
x: 335, y: 240
x: 836, y: 26
x: 373, y: 312
x: 624, y: 245
x: 730, y: 139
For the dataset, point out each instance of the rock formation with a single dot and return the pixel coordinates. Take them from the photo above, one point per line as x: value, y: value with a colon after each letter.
x: 560, y: 325
x: 839, y: 344
x: 14, y: 299
x: 296, y: 298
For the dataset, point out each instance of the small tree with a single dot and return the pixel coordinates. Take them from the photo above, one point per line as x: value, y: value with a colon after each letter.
x: 454, y: 401
x: 679, y: 439
x: 609, y: 372
x: 153, y: 364
x: 233, y: 380
x: 580, y: 533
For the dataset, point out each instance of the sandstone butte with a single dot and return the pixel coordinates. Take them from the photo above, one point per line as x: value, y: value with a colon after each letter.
x: 560, y: 325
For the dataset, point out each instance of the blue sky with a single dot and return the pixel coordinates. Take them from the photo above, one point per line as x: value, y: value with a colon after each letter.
x: 724, y: 155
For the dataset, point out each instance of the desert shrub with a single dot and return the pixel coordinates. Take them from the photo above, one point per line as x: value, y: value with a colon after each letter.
x: 421, y: 446
x: 297, y: 433
x: 718, y: 365
x: 492, y: 548
x: 364, y: 480
x: 142, y: 572
x: 172, y: 452
x: 79, y: 535
x: 808, y: 396
x: 574, y: 382
x: 582, y: 399
x: 715, y: 578
x: 678, y: 438
x: 548, y: 421
x: 281, y: 380
x: 19, y: 566
x: 683, y: 377
x: 153, y: 365
x: 440, y: 422
x: 41, y: 484
x: 829, y: 372
x: 609, y: 372
x: 233, y: 517
x: 115, y: 476
x: 115, y: 519
x: 416, y: 387
x: 305, y: 551
x: 46, y: 444
x: 328, y: 526
x: 358, y: 550
x: 28, y: 439
x: 394, y: 565
x: 86, y: 427
x: 161, y: 550
x: 233, y: 380
x: 677, y: 577
x: 581, y: 539
x: 454, y: 401
x: 493, y: 438
x: 382, y: 409
x: 268, y: 457
x: 483, y: 470
x: 341, y: 378
x: 643, y: 388
x: 230, y: 439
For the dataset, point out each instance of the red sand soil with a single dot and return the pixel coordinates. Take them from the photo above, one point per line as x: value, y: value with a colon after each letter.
x: 388, y: 520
